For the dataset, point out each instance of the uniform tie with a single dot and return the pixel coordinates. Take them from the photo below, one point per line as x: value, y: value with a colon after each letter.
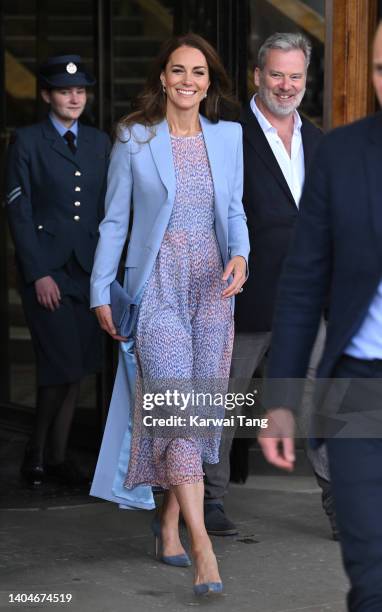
x: 70, y: 138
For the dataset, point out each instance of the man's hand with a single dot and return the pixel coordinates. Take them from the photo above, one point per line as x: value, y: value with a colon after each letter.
x: 277, y: 441
x: 103, y: 314
x: 237, y: 266
x: 47, y: 293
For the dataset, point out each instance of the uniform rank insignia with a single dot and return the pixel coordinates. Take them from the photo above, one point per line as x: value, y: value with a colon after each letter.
x: 12, y: 195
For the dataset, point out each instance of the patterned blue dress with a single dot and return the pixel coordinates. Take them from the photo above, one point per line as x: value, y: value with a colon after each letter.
x: 185, y: 327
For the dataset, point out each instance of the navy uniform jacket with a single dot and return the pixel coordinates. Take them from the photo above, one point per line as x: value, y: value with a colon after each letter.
x: 55, y: 198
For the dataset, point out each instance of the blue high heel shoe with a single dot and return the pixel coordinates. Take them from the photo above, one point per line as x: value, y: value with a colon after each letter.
x: 182, y: 560
x: 208, y: 588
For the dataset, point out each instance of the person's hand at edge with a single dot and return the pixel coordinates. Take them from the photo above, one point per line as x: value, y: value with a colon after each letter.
x: 277, y: 441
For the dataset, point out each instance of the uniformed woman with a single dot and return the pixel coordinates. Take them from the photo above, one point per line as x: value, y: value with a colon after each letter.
x: 55, y: 192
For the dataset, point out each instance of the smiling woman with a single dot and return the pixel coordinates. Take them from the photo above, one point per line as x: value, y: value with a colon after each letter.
x: 185, y: 79
x: 180, y: 165
x: 206, y: 72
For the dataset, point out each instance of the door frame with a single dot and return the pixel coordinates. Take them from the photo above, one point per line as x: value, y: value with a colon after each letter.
x: 348, y: 90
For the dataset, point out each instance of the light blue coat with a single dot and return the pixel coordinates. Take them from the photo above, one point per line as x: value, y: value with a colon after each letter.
x: 142, y: 177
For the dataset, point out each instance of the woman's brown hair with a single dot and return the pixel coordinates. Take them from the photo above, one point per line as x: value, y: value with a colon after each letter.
x: 150, y: 107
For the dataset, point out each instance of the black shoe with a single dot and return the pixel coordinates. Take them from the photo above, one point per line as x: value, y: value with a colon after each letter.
x: 333, y: 525
x: 328, y: 505
x: 66, y: 473
x: 32, y: 469
x: 216, y: 521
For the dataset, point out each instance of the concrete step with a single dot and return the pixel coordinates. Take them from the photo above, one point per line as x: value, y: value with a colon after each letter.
x: 121, y: 8
x: 133, y: 25
x: 73, y: 25
x: 19, y: 25
x: 21, y: 350
x: 16, y: 315
x: 128, y: 88
x: 135, y: 46
x: 16, y: 25
x: 25, y: 45
x: 131, y: 66
x: 122, y: 108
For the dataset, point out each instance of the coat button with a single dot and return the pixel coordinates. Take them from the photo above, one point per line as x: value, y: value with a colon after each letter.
x: 77, y: 173
x: 40, y: 227
x: 76, y: 217
x: 77, y: 203
x: 77, y: 188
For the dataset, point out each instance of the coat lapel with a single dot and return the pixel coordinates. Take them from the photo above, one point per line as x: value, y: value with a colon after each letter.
x: 373, y: 165
x: 161, y: 150
x: 86, y: 147
x: 253, y: 133
x: 216, y: 158
x: 57, y: 142
x: 309, y: 144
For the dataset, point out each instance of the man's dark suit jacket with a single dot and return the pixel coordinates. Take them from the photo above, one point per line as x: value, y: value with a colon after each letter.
x: 271, y: 213
x: 336, y: 250
x: 55, y: 199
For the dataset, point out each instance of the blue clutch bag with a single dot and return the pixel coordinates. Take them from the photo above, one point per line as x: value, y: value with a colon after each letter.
x: 124, y: 310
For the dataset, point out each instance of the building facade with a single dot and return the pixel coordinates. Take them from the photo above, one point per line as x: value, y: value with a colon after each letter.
x: 117, y: 40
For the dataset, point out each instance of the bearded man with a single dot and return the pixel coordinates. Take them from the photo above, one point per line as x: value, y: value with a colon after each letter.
x: 278, y: 147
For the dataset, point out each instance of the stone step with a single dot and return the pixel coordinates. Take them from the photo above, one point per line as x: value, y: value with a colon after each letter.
x: 133, y: 26
x: 131, y: 66
x: 135, y: 46
x: 27, y: 25
x: 128, y: 88
x: 122, y: 108
x: 25, y: 46
x: 16, y: 316
x: 121, y: 8
x: 19, y: 334
x: 21, y: 351
x: 19, y: 7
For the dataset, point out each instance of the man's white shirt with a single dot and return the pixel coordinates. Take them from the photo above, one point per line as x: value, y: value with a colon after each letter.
x: 293, y: 167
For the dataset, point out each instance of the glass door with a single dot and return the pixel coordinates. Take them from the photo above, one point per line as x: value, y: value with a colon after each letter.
x: 117, y: 40
x: 31, y: 30
x: 270, y: 16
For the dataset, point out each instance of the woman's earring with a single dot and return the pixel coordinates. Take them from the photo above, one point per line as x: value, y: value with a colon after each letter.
x: 205, y: 95
x: 163, y: 87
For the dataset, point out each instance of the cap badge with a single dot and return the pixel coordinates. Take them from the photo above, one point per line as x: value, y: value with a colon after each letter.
x: 71, y: 68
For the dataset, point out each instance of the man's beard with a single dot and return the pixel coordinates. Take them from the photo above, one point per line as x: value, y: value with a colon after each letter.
x: 281, y: 110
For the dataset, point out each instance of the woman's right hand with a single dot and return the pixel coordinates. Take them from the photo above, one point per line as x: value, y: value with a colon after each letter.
x: 103, y: 314
x: 47, y: 293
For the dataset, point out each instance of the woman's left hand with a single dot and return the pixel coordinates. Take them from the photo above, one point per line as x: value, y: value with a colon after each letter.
x: 237, y: 266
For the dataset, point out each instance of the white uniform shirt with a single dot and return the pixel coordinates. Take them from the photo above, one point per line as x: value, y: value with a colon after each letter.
x: 293, y: 167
